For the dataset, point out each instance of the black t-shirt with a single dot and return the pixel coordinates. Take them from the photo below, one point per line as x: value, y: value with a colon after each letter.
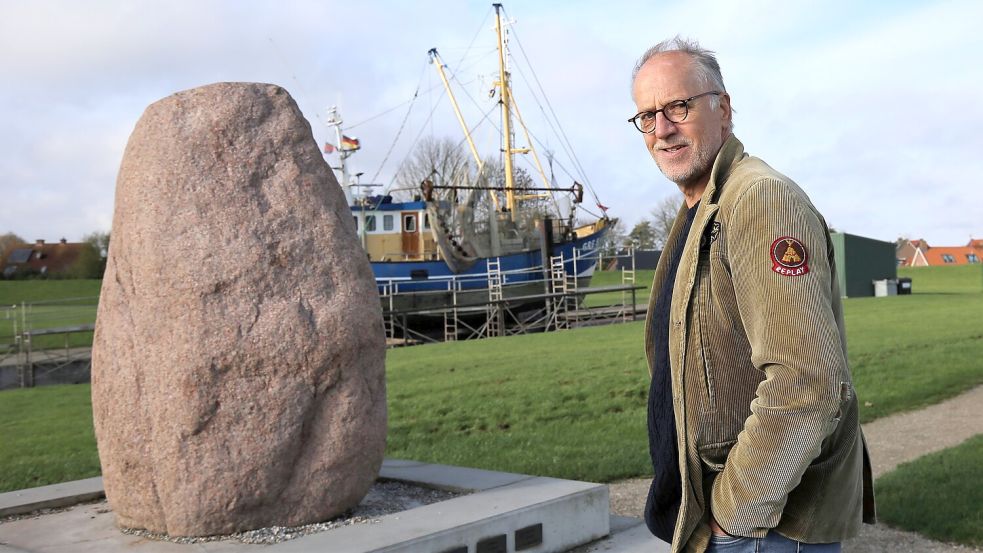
x: 662, y: 505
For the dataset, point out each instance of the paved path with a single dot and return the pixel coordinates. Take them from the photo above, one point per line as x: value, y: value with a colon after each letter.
x: 892, y: 440
x: 906, y: 436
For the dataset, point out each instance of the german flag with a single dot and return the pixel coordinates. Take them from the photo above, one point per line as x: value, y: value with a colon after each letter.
x: 349, y: 144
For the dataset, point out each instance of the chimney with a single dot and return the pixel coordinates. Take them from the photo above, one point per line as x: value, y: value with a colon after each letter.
x: 63, y: 241
x: 39, y: 242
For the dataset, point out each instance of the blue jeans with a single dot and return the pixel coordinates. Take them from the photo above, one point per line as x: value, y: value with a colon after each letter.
x: 772, y: 543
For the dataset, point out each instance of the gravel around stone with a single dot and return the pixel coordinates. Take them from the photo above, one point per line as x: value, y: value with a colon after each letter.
x: 892, y: 440
x: 383, y: 498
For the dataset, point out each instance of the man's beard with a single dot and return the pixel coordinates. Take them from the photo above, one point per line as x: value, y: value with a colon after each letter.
x: 703, y: 157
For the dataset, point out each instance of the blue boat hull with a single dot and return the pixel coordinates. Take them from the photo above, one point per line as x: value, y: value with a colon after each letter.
x: 524, y: 268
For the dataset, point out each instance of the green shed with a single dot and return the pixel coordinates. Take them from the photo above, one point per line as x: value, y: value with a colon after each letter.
x: 860, y: 261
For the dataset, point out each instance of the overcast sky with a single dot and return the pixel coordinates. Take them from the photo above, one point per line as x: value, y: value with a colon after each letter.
x: 873, y: 108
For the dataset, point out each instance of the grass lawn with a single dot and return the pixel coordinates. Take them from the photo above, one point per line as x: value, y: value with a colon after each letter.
x: 54, y: 304
x: 30, y: 291
x: 961, y: 279
x: 46, y: 436
x: 613, y: 278
x: 939, y: 495
x: 569, y: 404
x: 907, y: 352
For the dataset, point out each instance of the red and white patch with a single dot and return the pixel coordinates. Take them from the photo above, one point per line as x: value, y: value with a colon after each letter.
x: 789, y: 257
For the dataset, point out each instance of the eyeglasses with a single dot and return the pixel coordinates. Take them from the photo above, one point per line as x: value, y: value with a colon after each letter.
x: 675, y: 112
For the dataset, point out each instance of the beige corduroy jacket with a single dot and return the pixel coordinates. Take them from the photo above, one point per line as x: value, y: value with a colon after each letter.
x: 766, y: 415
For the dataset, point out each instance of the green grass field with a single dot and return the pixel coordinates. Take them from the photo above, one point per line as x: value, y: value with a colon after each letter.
x: 964, y: 279
x: 568, y: 404
x: 46, y: 436
x: 30, y: 291
x: 53, y: 304
x: 614, y: 278
x: 939, y: 495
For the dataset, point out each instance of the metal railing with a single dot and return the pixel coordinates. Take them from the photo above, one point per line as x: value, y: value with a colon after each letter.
x: 39, y: 338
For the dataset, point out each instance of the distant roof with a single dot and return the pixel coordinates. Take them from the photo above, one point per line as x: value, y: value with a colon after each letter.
x: 957, y: 255
x: 44, y: 257
x: 20, y: 255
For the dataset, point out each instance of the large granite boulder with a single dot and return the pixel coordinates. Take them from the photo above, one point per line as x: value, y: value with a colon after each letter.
x: 238, y: 362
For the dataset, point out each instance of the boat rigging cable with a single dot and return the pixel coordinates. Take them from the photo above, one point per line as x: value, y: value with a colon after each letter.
x: 401, y: 127
x: 423, y: 129
x: 529, y: 135
x: 293, y: 75
x: 556, y: 127
x: 432, y: 110
x: 562, y: 134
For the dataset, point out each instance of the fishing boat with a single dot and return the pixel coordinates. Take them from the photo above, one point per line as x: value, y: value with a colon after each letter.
x: 468, y: 241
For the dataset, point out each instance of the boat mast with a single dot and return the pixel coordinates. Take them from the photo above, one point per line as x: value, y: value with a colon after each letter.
x: 347, y: 184
x: 503, y: 84
x: 435, y: 59
x: 334, y: 120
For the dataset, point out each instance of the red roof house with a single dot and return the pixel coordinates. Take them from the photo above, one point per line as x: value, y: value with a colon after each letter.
x: 911, y: 253
x: 41, y: 258
x: 955, y: 255
x: 917, y: 253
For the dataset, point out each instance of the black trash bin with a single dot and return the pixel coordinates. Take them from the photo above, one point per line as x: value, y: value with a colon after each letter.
x: 904, y: 285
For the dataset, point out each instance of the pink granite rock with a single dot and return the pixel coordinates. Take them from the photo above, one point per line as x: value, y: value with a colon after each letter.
x: 238, y: 362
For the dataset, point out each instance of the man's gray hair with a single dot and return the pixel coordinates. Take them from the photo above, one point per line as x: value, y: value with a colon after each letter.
x: 704, y: 61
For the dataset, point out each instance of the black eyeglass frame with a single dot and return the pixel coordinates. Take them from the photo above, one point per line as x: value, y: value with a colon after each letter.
x: 670, y: 105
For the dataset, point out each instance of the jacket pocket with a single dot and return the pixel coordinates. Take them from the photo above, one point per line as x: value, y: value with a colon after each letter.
x: 714, y: 456
x: 846, y: 397
x: 704, y: 316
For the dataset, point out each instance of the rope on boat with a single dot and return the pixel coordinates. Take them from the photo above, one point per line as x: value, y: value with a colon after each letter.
x: 402, y: 126
x: 565, y: 141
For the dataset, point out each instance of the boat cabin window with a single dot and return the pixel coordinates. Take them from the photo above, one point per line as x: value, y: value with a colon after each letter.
x: 409, y: 223
x: 355, y: 217
x: 387, y: 222
x: 370, y: 223
x: 426, y: 221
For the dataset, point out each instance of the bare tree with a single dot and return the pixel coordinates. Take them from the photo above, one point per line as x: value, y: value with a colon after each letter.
x: 442, y: 160
x: 663, y: 215
x: 615, y: 238
x: 9, y: 242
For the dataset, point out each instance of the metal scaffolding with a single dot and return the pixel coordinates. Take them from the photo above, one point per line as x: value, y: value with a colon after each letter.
x: 560, y: 306
x: 38, y: 340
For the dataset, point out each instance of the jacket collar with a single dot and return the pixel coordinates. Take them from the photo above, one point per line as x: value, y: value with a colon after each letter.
x: 730, y: 154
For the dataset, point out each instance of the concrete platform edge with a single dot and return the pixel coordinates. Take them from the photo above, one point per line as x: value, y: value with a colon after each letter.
x: 65, y: 494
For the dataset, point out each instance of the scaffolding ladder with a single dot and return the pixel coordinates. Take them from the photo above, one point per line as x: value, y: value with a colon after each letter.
x: 495, y: 325
x: 628, y: 278
x: 572, y: 299
x: 389, y: 320
x: 560, y: 284
x: 450, y: 315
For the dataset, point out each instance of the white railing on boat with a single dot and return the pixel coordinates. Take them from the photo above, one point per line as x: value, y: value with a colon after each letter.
x: 390, y: 285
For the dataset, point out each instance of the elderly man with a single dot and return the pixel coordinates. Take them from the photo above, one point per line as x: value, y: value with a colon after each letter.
x: 753, y: 425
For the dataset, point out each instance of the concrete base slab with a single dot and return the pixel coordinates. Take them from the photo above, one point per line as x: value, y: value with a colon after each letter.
x: 50, y: 497
x: 505, y: 514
